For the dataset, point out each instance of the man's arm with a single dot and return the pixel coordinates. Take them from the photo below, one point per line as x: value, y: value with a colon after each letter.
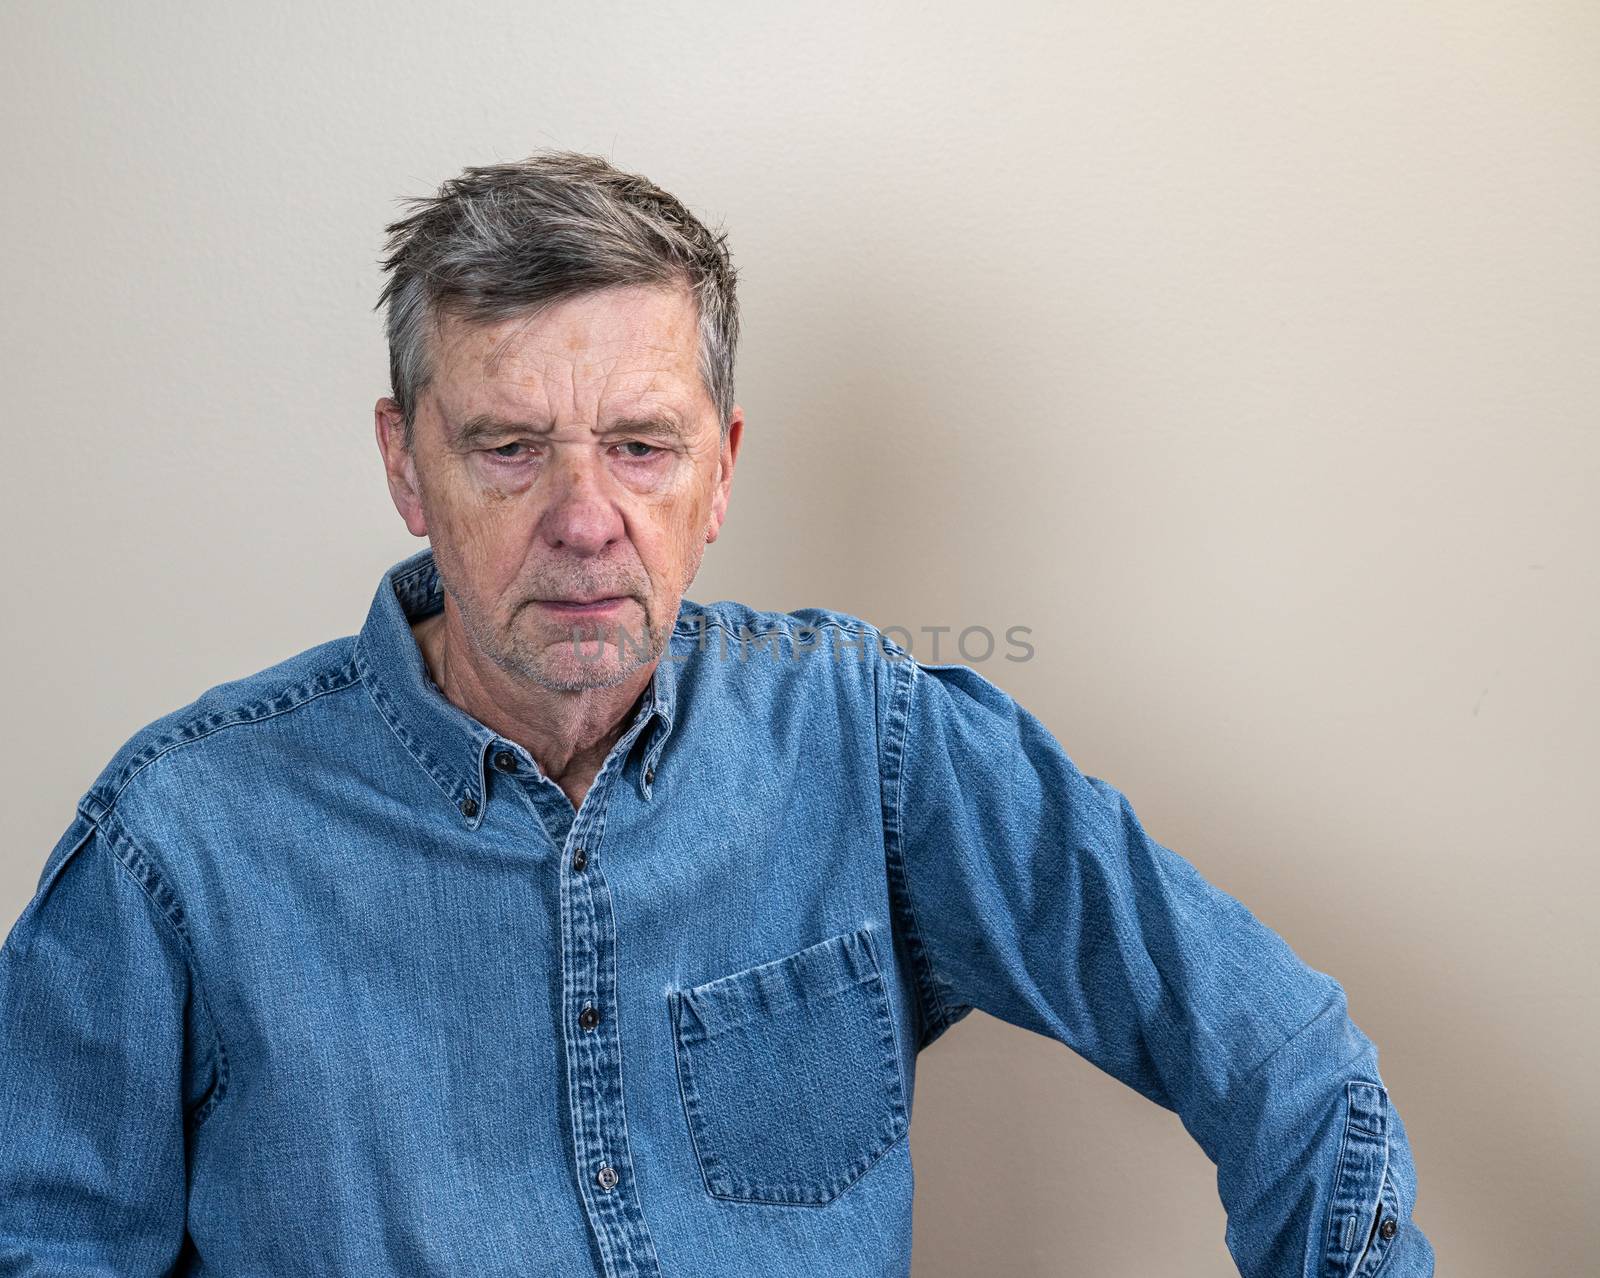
x: 1031, y: 890
x: 102, y: 1062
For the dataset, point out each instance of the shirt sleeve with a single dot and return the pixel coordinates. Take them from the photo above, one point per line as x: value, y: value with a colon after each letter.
x: 108, y: 1067
x: 1032, y: 891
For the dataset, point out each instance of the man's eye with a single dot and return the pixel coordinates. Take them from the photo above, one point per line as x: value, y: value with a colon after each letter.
x: 650, y: 450
x: 501, y: 451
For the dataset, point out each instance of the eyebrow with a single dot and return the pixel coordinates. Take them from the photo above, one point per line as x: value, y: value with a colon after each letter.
x: 487, y: 426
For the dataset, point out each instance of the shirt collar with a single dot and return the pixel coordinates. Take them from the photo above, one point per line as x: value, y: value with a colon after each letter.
x: 450, y: 745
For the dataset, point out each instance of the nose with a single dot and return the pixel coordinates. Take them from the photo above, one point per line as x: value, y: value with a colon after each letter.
x: 580, y: 514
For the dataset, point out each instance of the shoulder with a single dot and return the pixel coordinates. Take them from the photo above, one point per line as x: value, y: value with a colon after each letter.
x: 807, y: 644
x: 223, y: 722
x: 742, y: 620
x: 813, y: 669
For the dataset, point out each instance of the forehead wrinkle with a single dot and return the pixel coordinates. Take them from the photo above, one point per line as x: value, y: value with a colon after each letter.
x: 491, y: 363
x: 596, y: 366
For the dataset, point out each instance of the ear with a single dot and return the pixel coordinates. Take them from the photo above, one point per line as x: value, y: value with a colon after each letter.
x: 725, y: 460
x: 399, y: 464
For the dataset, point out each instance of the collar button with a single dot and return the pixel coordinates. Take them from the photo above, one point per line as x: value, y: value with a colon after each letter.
x: 505, y: 761
x: 469, y: 807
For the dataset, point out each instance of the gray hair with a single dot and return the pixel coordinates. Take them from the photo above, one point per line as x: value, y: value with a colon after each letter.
x: 509, y: 239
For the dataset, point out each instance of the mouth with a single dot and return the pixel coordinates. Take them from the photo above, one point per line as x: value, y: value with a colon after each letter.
x: 583, y: 607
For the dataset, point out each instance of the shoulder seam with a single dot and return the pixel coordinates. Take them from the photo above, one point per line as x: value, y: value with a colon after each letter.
x: 893, y: 773
x: 787, y: 623
x: 197, y: 729
x: 787, y: 628
x: 147, y: 876
x: 714, y: 614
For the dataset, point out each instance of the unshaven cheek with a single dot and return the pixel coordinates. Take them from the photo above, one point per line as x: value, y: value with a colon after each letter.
x: 483, y: 531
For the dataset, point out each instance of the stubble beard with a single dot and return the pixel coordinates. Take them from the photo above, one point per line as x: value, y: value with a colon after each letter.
x: 570, y: 663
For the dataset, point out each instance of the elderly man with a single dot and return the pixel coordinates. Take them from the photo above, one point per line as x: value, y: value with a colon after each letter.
x: 558, y: 924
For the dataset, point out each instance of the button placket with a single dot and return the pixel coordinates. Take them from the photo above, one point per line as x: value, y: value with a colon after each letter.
x: 592, y: 1045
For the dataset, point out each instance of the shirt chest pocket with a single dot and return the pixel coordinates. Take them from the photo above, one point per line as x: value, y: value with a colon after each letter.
x: 790, y: 1073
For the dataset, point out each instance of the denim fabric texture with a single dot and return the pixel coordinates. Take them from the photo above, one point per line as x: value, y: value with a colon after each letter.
x: 326, y: 977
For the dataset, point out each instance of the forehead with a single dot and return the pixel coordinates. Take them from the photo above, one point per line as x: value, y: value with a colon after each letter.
x: 621, y: 343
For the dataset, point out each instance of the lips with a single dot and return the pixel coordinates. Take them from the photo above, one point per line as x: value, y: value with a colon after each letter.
x: 604, y: 606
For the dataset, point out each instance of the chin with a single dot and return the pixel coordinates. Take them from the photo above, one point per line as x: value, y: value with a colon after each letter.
x: 566, y: 671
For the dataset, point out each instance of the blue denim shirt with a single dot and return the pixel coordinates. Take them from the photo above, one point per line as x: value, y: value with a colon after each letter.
x: 326, y: 977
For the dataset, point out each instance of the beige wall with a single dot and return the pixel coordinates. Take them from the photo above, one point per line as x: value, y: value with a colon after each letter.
x: 1245, y: 351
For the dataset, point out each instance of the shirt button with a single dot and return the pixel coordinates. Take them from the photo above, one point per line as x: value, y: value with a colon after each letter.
x: 469, y: 807
x: 588, y: 1018
x: 580, y: 858
x: 607, y: 1178
x: 505, y: 761
x: 1388, y: 1229
x: 649, y: 776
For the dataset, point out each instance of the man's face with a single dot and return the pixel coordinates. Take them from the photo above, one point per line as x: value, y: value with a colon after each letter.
x: 564, y: 459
